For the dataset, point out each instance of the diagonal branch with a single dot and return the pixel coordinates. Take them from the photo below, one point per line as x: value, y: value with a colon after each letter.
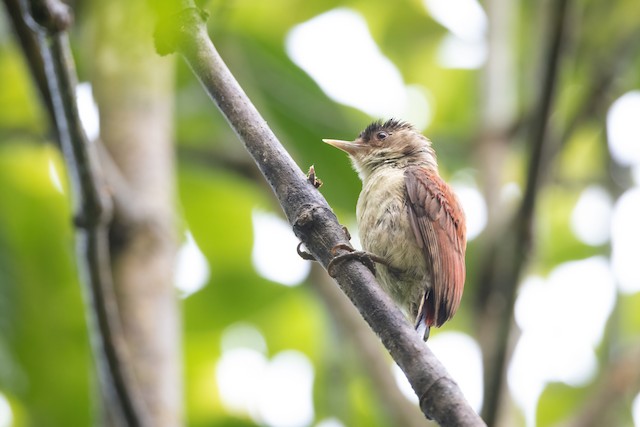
x: 312, y: 219
x: 92, y: 210
x: 346, y: 317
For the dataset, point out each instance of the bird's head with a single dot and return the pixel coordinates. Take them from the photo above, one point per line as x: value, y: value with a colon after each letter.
x: 393, y: 143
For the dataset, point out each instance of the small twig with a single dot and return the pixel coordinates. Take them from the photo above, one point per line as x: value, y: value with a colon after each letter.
x: 312, y: 178
x: 312, y: 219
x: 92, y: 209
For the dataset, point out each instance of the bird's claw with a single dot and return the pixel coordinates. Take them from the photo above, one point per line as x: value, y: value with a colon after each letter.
x: 304, y: 254
x: 368, y: 259
x: 344, y: 246
x: 307, y: 256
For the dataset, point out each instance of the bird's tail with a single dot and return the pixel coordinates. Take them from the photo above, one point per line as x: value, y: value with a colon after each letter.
x: 421, y: 325
x: 422, y: 328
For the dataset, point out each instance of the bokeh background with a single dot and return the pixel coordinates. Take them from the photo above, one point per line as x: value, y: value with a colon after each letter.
x: 263, y: 342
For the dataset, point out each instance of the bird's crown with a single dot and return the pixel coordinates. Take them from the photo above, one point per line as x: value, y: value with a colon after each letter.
x: 388, y: 126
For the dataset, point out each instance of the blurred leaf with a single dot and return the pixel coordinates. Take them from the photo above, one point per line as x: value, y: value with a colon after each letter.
x: 629, y: 316
x: 556, y: 242
x: 19, y: 104
x: 558, y: 403
x: 44, y: 325
x: 217, y: 208
x: 360, y: 398
x: 583, y: 157
x: 44, y: 360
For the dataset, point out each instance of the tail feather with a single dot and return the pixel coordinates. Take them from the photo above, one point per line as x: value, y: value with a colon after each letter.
x: 423, y: 329
x: 422, y: 324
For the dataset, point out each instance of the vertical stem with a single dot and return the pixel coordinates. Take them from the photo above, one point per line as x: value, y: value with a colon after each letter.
x: 511, y: 253
x: 134, y: 88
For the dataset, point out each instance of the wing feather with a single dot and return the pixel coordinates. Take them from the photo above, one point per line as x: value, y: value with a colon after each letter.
x: 438, y: 223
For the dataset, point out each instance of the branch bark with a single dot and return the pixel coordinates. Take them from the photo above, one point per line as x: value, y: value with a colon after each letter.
x: 312, y: 219
x: 93, y: 210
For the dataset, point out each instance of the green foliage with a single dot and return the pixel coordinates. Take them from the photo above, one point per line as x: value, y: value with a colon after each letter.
x: 629, y: 317
x: 17, y: 92
x: 558, y: 403
x: 43, y: 341
x: 556, y: 242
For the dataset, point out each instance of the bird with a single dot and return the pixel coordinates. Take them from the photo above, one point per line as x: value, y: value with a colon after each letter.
x: 410, y: 222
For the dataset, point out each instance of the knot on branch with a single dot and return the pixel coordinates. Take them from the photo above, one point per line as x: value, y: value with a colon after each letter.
x: 95, y: 211
x: 171, y: 28
x: 309, y: 216
x: 52, y: 15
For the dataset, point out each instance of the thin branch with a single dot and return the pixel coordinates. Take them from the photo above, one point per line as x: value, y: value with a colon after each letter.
x: 538, y: 136
x: 92, y: 208
x: 510, y: 253
x: 312, y: 219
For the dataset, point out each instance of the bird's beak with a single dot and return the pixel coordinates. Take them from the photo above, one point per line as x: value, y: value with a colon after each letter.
x: 348, y: 147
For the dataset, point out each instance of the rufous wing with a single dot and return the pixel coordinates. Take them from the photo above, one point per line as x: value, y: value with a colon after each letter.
x: 439, y: 226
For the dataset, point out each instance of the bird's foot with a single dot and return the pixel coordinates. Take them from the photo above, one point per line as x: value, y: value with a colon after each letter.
x: 307, y: 256
x: 367, y: 258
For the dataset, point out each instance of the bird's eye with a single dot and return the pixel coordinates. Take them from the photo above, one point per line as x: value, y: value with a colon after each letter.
x: 381, y: 135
